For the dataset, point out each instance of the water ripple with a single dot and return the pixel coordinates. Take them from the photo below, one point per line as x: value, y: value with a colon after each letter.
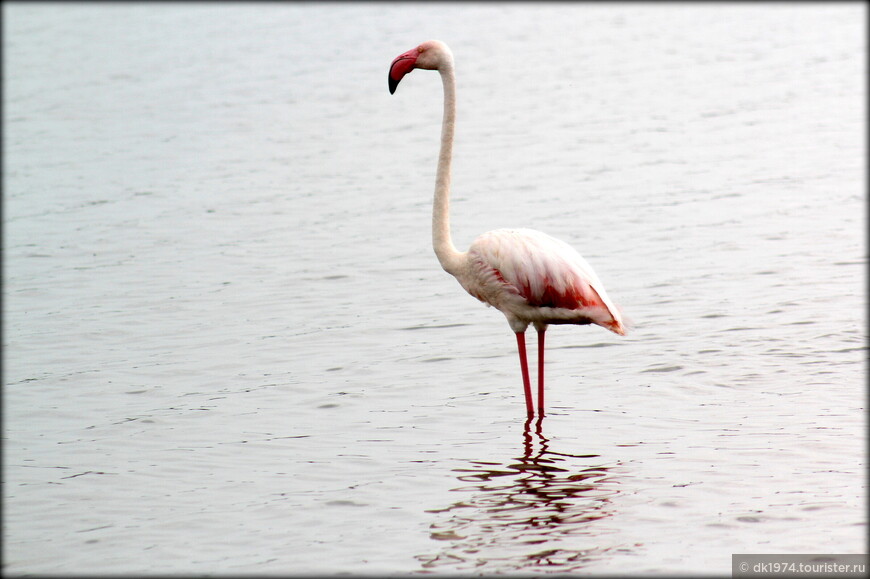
x: 509, y: 512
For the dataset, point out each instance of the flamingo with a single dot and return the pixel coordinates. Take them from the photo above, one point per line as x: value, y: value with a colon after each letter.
x: 530, y: 277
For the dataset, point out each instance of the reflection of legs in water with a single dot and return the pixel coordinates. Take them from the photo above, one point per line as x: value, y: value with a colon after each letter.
x: 527, y: 436
x: 534, y: 511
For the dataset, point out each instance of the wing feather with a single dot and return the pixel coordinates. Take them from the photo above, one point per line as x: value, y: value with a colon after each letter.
x: 545, y: 272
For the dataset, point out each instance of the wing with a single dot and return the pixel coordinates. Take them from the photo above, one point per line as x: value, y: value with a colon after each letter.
x: 541, y: 270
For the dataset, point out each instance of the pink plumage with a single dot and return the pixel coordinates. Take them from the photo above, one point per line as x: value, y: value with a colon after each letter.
x: 535, y: 278
x: 530, y: 277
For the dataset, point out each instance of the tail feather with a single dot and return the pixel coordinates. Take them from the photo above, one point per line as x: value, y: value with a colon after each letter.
x: 621, y: 323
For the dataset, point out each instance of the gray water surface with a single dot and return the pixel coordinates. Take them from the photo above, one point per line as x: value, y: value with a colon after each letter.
x: 229, y: 348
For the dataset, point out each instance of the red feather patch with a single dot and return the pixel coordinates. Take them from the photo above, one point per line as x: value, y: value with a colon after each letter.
x: 574, y: 296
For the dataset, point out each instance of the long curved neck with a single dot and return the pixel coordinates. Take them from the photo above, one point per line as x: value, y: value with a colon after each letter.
x: 448, y: 256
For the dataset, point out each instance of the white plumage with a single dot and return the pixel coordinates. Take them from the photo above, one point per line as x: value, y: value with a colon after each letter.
x: 534, y: 278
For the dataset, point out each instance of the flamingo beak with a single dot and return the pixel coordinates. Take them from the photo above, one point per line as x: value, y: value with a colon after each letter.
x: 402, y: 65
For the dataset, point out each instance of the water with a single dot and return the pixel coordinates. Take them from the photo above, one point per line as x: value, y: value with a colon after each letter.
x: 229, y: 348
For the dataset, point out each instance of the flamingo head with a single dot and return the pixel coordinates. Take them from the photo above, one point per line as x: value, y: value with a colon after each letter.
x: 431, y: 55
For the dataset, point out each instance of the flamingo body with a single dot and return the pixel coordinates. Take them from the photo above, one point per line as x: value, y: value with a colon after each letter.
x: 530, y: 277
x: 533, y: 278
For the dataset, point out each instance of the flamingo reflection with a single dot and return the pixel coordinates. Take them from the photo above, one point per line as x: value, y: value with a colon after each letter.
x: 537, y: 511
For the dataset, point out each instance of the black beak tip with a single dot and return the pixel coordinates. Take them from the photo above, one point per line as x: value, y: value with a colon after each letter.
x: 393, y: 84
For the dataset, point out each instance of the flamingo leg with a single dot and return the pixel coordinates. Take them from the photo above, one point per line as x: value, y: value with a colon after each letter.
x: 524, y: 366
x: 541, y: 372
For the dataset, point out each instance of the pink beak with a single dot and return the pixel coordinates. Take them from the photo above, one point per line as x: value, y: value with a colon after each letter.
x: 402, y: 65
